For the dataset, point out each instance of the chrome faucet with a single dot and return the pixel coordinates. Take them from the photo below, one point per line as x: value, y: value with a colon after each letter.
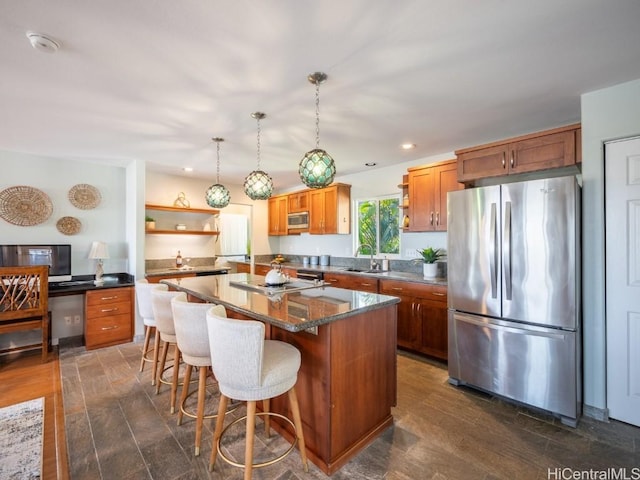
x: 372, y: 263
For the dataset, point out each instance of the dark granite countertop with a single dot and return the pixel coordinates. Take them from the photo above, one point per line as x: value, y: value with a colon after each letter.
x: 82, y: 283
x: 186, y: 269
x: 294, y: 311
x: 391, y: 274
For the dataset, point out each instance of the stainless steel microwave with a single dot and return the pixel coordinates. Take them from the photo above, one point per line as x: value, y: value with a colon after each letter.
x: 298, y: 220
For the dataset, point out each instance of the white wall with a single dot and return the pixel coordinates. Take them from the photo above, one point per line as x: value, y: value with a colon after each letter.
x: 106, y: 222
x: 373, y: 183
x: 607, y: 114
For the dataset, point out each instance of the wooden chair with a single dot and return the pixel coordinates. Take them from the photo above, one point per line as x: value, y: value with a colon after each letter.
x: 24, y: 294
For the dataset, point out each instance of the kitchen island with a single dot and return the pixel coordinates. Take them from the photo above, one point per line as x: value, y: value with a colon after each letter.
x: 347, y: 339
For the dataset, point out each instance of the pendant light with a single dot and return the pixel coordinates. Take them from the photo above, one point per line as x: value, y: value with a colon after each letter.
x: 217, y: 195
x: 258, y: 185
x: 317, y: 168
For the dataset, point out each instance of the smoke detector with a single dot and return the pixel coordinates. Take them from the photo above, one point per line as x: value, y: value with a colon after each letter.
x: 42, y: 42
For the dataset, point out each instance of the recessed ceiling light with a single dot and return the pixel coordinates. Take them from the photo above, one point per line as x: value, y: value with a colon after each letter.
x: 188, y: 169
x: 370, y: 164
x: 43, y: 43
x: 408, y: 146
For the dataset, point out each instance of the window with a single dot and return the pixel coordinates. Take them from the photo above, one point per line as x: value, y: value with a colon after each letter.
x: 378, y: 225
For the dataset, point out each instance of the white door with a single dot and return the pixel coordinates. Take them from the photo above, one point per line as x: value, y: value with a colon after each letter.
x: 622, y: 211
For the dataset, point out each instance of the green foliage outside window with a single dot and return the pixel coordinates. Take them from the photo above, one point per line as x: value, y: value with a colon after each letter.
x: 379, y: 226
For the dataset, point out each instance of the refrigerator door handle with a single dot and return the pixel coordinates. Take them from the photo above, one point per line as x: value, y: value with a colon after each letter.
x: 506, y: 248
x: 493, y: 252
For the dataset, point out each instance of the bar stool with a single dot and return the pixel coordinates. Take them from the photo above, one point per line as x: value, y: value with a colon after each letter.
x: 190, y: 320
x: 250, y: 368
x: 143, y: 297
x: 161, y: 303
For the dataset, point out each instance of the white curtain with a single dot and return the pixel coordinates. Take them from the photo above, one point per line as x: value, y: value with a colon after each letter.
x: 233, y: 229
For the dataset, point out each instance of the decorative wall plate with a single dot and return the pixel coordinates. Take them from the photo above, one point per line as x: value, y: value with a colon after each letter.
x: 68, y: 225
x: 84, y: 196
x: 24, y: 206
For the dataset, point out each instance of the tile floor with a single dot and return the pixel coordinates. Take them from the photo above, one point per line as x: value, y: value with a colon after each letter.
x: 118, y: 428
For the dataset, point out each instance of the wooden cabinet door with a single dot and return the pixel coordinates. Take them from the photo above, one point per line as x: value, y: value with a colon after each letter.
x: 330, y: 224
x: 434, y: 321
x: 421, y: 200
x: 446, y: 180
x: 298, y: 202
x: 483, y: 163
x: 409, y: 322
x: 278, y: 215
x: 316, y: 211
x: 541, y: 153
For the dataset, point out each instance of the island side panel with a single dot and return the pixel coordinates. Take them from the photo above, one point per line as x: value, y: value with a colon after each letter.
x: 346, y: 384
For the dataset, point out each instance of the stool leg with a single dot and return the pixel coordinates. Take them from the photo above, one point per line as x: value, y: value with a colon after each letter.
x: 145, y: 345
x: 295, y: 410
x: 248, y: 450
x: 266, y: 404
x: 174, y: 380
x: 202, y: 383
x: 161, y: 364
x: 185, y: 391
x: 222, y: 410
x: 156, y: 349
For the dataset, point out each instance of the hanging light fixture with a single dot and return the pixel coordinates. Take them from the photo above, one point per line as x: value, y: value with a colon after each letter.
x: 258, y: 185
x: 317, y: 168
x: 217, y: 195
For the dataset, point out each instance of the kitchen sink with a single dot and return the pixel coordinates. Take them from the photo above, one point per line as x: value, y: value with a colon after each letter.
x: 359, y: 270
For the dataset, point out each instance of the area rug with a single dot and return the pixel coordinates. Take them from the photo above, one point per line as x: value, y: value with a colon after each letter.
x: 21, y: 433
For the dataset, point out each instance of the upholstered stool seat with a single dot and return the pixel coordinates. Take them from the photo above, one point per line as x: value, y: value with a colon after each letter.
x: 251, y: 369
x: 161, y: 303
x: 190, y: 321
x: 143, y: 297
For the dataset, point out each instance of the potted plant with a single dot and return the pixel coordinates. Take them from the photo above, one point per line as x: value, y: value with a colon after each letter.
x: 429, y: 256
x: 149, y: 222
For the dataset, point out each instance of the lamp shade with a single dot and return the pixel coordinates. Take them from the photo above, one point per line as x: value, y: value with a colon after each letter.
x: 258, y: 185
x: 99, y: 251
x: 217, y: 196
x: 317, y: 169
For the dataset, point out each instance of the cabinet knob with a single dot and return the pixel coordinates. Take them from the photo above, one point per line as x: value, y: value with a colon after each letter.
x: 431, y: 218
x: 109, y: 298
x: 504, y: 160
x: 105, y: 310
x: 111, y: 327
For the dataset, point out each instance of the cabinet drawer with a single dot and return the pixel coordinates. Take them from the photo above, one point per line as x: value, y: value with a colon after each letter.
x: 108, y: 295
x: 425, y: 291
x: 108, y: 309
x: 107, y: 330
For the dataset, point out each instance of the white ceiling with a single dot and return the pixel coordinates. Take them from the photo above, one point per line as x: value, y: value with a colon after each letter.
x: 156, y: 79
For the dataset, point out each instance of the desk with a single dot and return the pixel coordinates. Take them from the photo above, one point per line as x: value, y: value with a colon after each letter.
x: 109, y: 308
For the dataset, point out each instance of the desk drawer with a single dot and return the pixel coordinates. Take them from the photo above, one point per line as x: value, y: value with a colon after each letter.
x: 107, y: 309
x: 108, y: 295
x: 107, y: 330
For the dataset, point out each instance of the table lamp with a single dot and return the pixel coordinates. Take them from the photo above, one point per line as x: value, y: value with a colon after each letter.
x: 99, y: 251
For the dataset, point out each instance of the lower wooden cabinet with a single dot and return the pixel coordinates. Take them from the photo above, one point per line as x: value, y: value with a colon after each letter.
x: 422, y: 316
x: 352, y: 282
x: 109, y: 317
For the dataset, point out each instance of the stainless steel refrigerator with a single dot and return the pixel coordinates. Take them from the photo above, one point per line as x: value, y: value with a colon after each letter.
x: 514, y: 292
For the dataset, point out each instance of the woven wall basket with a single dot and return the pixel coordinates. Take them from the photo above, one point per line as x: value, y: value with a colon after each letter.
x: 84, y: 196
x: 68, y: 225
x: 25, y: 206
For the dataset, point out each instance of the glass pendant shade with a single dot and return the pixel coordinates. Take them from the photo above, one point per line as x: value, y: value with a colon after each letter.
x: 317, y: 169
x: 258, y: 185
x: 217, y: 196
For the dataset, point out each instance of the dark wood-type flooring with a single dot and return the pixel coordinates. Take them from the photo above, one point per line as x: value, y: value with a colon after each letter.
x: 118, y: 428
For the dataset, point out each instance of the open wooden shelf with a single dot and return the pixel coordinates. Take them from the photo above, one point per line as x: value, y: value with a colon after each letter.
x: 157, y: 231
x: 209, y: 211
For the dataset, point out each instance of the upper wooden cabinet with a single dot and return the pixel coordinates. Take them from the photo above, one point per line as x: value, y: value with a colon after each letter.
x: 428, y: 187
x: 278, y: 215
x: 299, y: 202
x: 330, y: 209
x: 555, y: 148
